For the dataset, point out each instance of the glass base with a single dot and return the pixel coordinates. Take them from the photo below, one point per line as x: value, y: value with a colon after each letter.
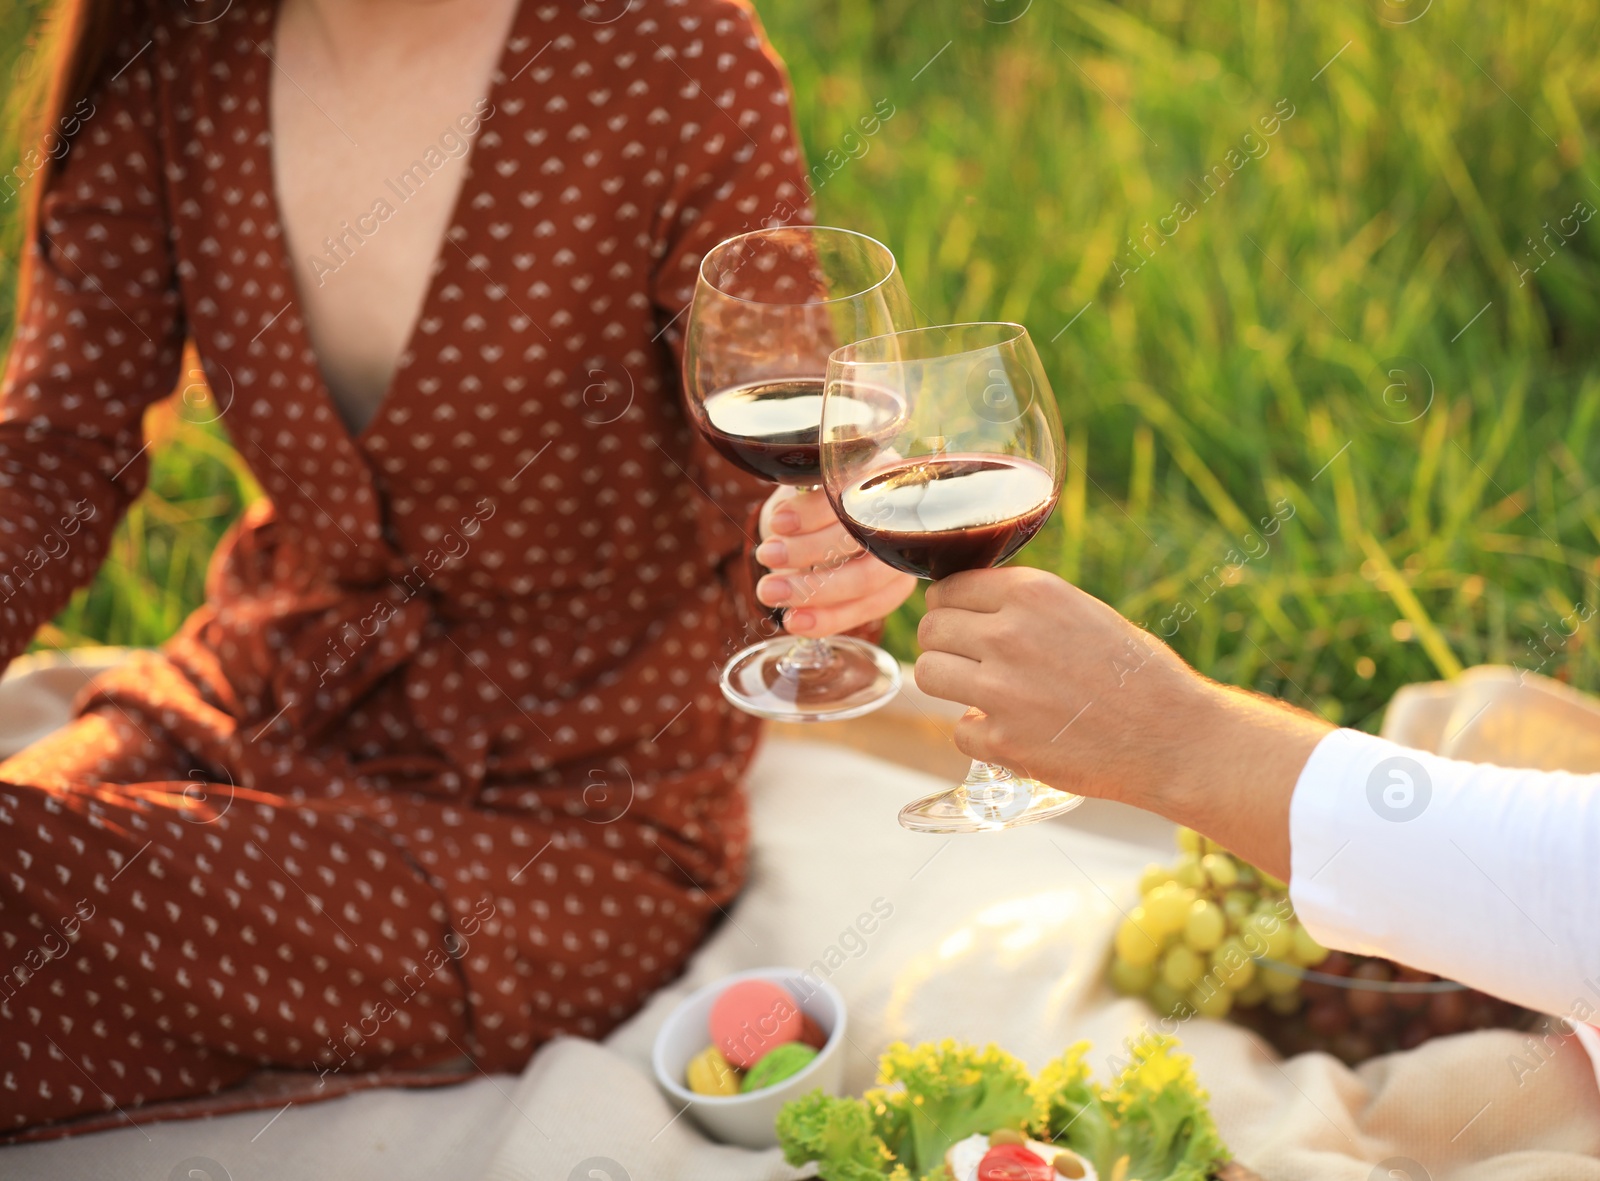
x: 792, y: 679
x: 989, y: 798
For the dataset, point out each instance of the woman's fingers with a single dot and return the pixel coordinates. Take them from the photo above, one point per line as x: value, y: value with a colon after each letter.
x: 800, y: 512
x: 801, y: 531
x: 830, y: 620
x: 827, y: 546
x: 824, y: 585
x: 819, y: 571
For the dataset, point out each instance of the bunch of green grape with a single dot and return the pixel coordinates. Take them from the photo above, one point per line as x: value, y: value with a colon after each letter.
x: 1211, y: 933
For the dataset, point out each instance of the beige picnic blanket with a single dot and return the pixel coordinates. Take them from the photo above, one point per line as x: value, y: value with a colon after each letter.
x: 992, y: 938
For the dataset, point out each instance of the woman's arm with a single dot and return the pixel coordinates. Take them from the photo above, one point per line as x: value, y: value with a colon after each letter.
x: 742, y: 172
x: 99, y: 339
x: 1483, y: 874
x: 732, y: 164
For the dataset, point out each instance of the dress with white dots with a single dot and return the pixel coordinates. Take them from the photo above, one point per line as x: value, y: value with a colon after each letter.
x: 441, y: 767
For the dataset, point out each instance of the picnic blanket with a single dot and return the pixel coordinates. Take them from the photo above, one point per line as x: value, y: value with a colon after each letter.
x: 1000, y: 938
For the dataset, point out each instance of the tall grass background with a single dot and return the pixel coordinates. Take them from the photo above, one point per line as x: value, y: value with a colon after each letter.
x: 1346, y: 330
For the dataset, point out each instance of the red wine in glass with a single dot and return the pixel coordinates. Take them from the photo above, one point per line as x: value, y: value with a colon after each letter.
x: 938, y: 515
x: 771, y: 428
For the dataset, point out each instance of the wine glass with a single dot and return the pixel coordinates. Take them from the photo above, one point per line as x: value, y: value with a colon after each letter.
x: 768, y: 308
x: 966, y: 473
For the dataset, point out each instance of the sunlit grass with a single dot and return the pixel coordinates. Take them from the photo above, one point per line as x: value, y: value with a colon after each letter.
x: 1445, y: 508
x: 1244, y: 361
x: 155, y: 574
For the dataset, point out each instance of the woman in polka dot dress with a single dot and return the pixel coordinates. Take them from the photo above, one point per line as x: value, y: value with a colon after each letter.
x: 440, y: 769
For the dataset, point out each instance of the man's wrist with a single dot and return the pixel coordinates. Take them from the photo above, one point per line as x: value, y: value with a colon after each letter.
x: 1243, y: 757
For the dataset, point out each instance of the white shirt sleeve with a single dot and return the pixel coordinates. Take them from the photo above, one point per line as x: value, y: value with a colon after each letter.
x: 1486, y: 875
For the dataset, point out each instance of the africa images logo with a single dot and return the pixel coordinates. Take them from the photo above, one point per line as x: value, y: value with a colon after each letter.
x: 1399, y: 789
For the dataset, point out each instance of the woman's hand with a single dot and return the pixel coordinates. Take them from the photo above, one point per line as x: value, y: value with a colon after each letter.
x: 826, y: 582
x: 1073, y: 694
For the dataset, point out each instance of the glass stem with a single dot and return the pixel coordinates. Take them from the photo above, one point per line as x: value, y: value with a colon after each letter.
x: 805, y: 655
x: 988, y: 784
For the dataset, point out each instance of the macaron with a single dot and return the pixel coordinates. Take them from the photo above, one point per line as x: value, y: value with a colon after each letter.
x: 750, y: 1018
x: 709, y: 1073
x: 777, y: 1064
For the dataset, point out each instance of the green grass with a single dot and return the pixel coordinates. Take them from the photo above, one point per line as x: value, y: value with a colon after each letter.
x: 1241, y: 369
x: 1222, y: 377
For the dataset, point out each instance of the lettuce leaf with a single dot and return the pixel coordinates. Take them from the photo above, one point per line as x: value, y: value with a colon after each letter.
x: 1162, y: 1122
x: 1074, y: 1113
x: 835, y: 1132
x: 952, y: 1091
x: 1153, y: 1114
x: 891, y: 1119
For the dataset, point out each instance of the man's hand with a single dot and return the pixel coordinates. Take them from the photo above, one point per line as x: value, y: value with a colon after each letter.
x: 1073, y: 694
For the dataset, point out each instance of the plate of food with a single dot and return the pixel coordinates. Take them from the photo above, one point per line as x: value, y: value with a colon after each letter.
x: 952, y: 1112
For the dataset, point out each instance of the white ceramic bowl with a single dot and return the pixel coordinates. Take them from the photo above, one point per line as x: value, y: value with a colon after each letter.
x: 747, y: 1120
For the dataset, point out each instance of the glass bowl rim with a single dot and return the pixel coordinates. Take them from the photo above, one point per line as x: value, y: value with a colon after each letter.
x: 1014, y: 332
x: 894, y: 266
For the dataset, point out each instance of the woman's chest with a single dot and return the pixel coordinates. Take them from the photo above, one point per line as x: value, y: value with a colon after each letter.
x: 373, y: 116
x: 530, y: 371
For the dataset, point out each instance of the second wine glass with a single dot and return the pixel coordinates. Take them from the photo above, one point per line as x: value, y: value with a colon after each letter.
x: 769, y: 307
x: 969, y: 471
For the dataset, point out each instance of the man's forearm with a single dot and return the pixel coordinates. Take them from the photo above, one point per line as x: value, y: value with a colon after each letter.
x: 1236, y: 771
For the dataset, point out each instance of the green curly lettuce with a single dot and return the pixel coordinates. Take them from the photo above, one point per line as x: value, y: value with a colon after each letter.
x: 951, y: 1092
x: 891, y: 1120
x: 1073, y: 1112
x: 838, y: 1134
x: 1163, y: 1124
x: 1151, y: 1122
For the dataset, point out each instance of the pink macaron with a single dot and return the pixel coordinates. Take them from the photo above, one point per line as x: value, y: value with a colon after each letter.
x: 751, y: 1017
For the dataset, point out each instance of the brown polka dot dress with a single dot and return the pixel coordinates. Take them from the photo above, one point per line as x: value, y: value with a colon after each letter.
x: 440, y: 769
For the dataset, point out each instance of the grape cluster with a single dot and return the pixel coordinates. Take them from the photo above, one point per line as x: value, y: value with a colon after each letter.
x: 1195, y: 941
x: 1215, y: 936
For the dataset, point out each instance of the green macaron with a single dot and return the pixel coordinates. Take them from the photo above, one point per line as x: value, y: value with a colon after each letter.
x: 777, y: 1064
